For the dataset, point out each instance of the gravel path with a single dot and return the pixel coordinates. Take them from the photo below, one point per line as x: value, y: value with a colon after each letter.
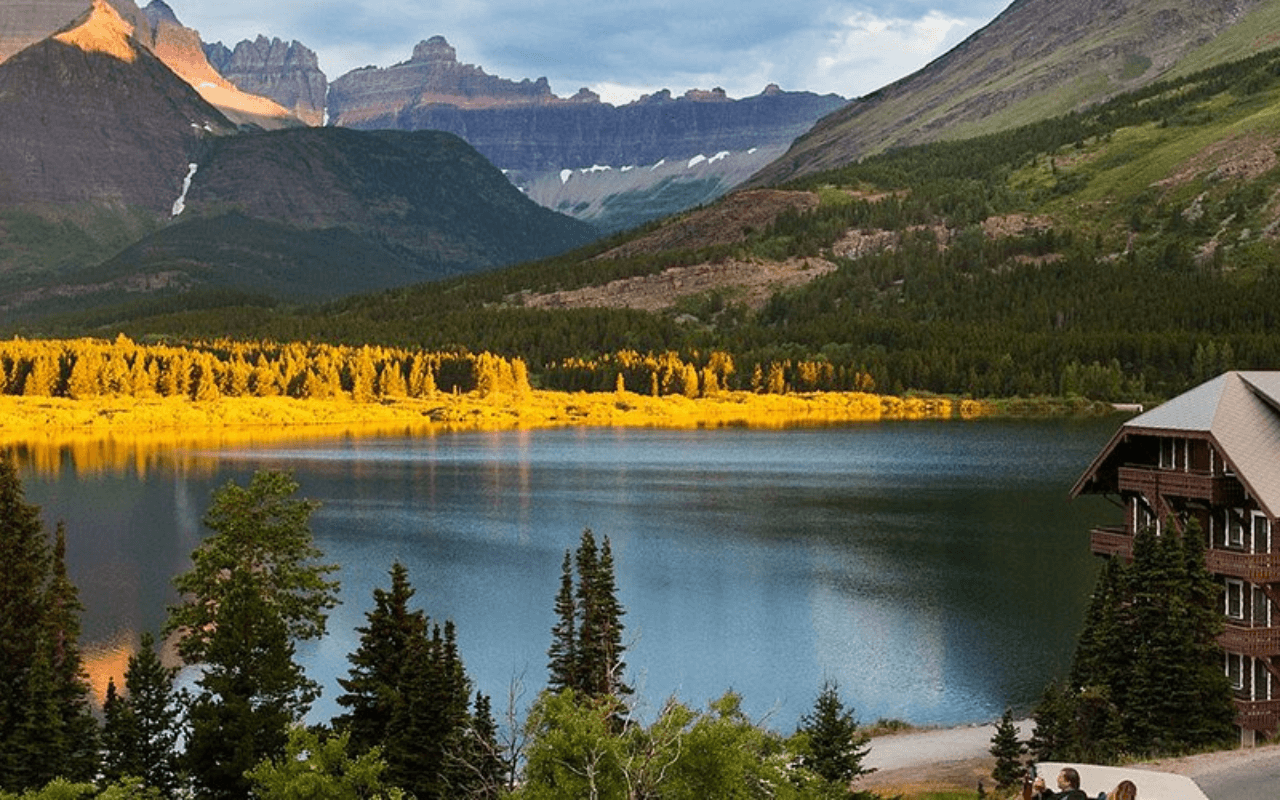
x: 960, y: 757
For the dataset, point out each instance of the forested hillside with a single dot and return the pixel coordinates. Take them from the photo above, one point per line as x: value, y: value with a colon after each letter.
x: 1122, y: 253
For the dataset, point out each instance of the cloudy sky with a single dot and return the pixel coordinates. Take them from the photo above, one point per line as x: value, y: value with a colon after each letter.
x: 621, y: 48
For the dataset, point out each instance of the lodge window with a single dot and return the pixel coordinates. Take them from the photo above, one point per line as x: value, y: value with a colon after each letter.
x: 1235, y: 670
x: 1234, y: 607
x: 1261, y: 680
x: 1235, y: 527
x: 1261, y: 533
x: 1169, y: 453
x: 1260, y: 612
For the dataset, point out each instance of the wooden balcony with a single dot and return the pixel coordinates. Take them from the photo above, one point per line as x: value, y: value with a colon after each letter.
x: 1250, y: 641
x: 1258, y: 715
x: 1111, y: 541
x: 1259, y: 568
x: 1218, y: 490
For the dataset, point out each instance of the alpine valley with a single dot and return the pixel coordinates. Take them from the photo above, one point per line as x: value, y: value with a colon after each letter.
x: 1079, y: 199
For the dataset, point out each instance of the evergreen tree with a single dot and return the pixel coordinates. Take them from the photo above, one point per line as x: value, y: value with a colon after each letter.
x: 483, y: 754
x: 407, y: 694
x: 119, y: 737
x: 77, y: 752
x: 598, y: 644
x: 141, y: 729
x: 564, y: 647
x: 251, y: 691
x: 834, y: 747
x: 254, y: 588
x: 1008, y: 753
x: 46, y: 728
x: 374, y: 690
x: 1147, y: 676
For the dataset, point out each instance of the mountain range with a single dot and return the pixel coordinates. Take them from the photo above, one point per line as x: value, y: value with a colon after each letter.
x: 304, y: 212
x: 107, y: 148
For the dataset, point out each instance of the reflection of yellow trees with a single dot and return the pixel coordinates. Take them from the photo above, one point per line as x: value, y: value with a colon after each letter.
x: 96, y: 405
x: 118, y: 435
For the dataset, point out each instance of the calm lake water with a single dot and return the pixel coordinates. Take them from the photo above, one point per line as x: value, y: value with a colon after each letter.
x: 936, y: 570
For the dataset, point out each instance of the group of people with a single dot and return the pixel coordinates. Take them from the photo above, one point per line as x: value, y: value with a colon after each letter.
x: 1069, y: 788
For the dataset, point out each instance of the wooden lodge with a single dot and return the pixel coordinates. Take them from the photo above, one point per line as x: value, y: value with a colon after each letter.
x: 1212, y: 454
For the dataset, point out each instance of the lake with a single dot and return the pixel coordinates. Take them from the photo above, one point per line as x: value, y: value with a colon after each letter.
x: 935, y: 570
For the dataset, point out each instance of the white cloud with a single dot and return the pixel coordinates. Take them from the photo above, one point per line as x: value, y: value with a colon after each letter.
x: 867, y: 52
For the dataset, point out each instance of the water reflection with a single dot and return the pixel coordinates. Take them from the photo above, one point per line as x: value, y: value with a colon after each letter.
x: 907, y: 561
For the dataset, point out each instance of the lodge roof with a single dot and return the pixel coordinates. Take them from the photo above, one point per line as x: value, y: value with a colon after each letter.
x: 1238, y: 411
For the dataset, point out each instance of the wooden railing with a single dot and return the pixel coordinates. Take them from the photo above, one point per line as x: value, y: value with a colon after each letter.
x: 1111, y: 541
x: 1256, y: 568
x: 1218, y: 490
x: 1250, y: 641
x: 1258, y: 715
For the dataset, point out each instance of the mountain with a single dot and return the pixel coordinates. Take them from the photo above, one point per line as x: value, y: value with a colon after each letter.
x: 539, y: 138
x: 1037, y: 59
x: 288, y: 73
x: 95, y: 137
x: 156, y: 28
x: 1124, y: 253
x: 105, y: 150
x: 180, y: 48
x: 322, y: 212
x: 22, y: 24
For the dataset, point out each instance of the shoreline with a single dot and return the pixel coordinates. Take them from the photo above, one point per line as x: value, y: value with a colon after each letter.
x: 30, y: 419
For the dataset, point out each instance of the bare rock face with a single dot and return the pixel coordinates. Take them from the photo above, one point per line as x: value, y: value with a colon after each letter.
x: 180, y: 48
x: 286, y: 72
x: 91, y: 116
x: 25, y: 22
x: 523, y: 126
x: 368, y: 97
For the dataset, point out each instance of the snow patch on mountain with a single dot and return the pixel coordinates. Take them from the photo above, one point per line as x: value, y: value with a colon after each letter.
x: 180, y: 204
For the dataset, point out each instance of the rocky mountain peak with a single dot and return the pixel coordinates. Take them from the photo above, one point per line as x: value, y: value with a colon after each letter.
x: 102, y: 30
x: 435, y: 49
x: 287, y: 72
x: 157, y: 11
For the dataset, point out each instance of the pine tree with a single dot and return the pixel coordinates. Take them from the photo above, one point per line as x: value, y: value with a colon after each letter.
x: 564, y: 647
x: 834, y: 746
x: 46, y: 728
x: 141, y: 730
x: 407, y: 693
x: 1008, y: 753
x: 119, y: 737
x: 374, y: 691
x: 78, y: 751
x: 483, y: 753
x: 586, y: 648
x: 251, y: 691
x: 254, y: 588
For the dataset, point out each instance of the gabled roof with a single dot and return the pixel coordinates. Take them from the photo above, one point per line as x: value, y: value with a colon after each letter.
x: 1238, y: 411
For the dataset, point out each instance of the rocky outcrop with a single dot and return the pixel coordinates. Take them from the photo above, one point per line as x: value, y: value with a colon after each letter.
x: 181, y: 49
x: 22, y: 24
x: 92, y: 116
x: 371, y: 97
x: 286, y: 72
x: 523, y: 126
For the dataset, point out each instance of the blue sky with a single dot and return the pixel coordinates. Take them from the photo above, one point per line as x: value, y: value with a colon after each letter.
x: 621, y: 48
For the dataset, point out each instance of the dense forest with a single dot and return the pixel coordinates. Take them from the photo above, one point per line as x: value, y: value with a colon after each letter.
x: 1122, y: 252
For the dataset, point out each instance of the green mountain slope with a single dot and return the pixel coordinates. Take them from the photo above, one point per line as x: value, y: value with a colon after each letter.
x: 1122, y: 254
x: 1037, y: 59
